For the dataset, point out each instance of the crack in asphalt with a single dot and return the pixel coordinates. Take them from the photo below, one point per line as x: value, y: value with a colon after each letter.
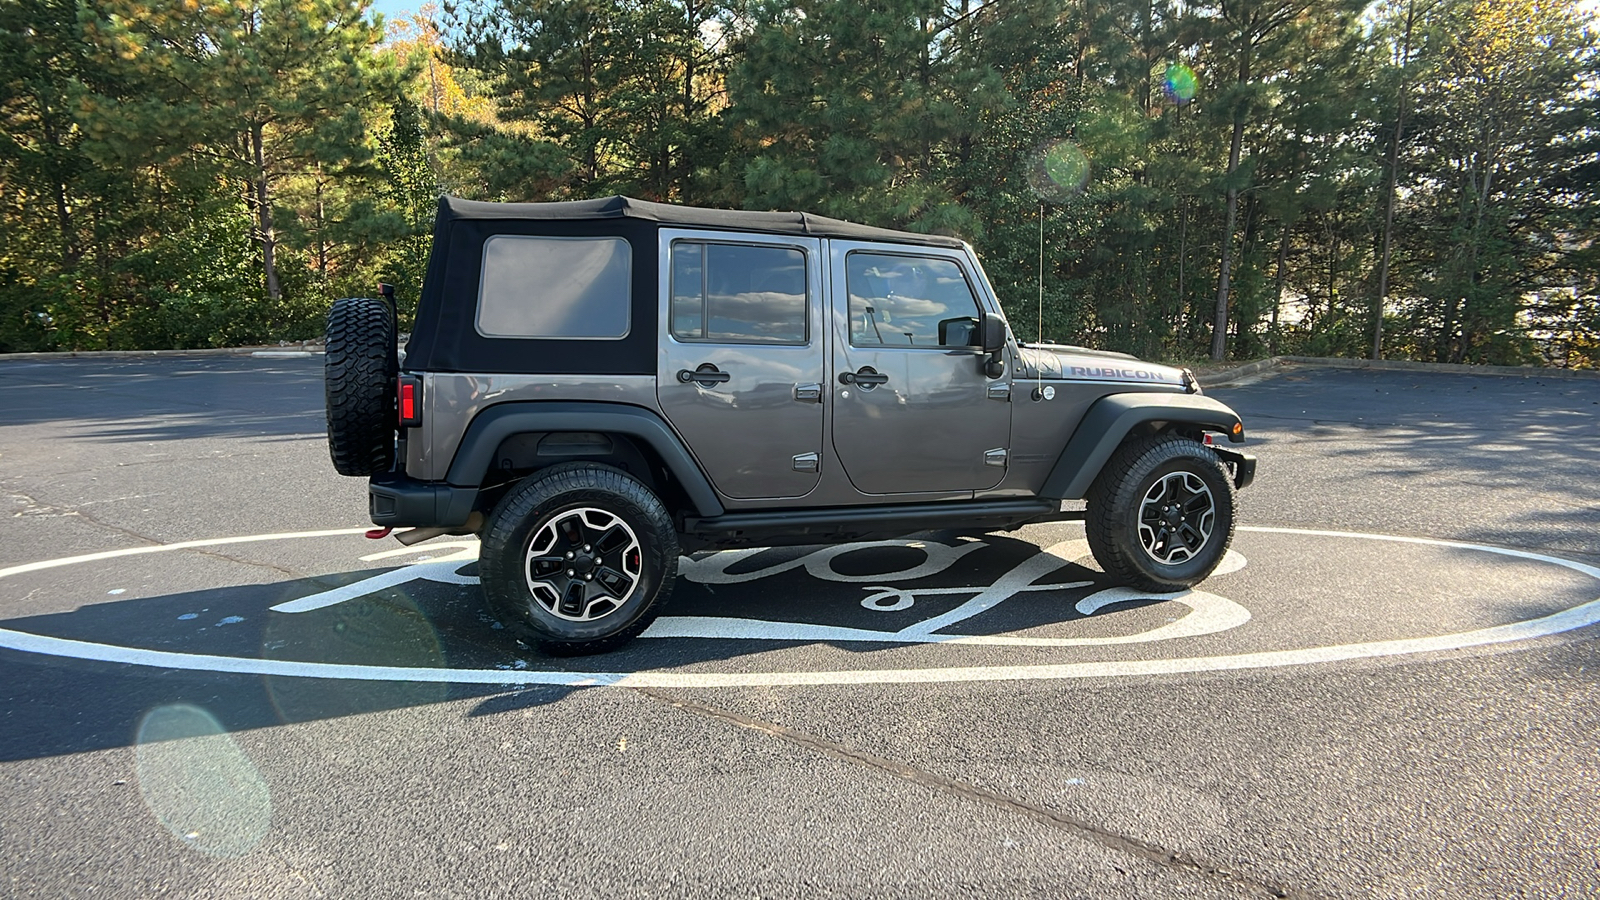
x: 34, y: 506
x: 1162, y: 857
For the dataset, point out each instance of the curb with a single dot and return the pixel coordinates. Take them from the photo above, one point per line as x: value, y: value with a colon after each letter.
x: 1406, y: 365
x: 306, y: 348
x: 1229, y: 376
x: 1240, y: 373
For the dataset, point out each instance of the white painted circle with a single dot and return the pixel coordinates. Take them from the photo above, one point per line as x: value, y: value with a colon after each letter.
x: 1567, y: 620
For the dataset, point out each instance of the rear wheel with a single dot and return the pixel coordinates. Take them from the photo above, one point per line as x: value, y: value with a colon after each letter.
x: 578, y: 558
x: 1161, y: 513
x: 359, y: 373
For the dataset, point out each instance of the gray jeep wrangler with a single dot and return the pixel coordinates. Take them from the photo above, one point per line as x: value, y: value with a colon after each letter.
x: 595, y: 387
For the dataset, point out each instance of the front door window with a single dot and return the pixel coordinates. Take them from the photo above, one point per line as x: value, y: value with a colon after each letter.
x: 909, y: 301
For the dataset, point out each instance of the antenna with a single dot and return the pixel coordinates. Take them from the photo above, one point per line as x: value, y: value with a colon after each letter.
x: 1038, y: 366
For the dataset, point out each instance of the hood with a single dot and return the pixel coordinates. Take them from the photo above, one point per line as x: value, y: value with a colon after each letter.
x: 1065, y: 363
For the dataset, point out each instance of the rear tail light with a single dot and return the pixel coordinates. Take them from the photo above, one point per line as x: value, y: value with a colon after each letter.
x: 410, y: 401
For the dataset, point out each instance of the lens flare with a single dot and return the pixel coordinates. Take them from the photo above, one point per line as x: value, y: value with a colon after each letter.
x: 199, y: 783
x: 1180, y: 83
x: 390, y: 628
x: 1058, y: 171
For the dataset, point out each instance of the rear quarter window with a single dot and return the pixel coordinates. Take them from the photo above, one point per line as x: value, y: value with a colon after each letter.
x: 555, y: 287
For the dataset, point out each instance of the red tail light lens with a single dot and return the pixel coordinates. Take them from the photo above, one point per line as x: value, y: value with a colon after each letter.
x: 410, y: 401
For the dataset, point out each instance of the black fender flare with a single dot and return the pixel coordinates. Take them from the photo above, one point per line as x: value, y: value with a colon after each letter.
x: 503, y: 420
x: 1111, y: 418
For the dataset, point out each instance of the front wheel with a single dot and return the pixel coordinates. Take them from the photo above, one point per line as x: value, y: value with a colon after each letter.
x: 577, y: 559
x: 1161, y: 513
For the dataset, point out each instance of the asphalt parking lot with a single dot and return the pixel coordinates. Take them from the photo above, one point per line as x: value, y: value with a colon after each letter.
x: 212, y: 685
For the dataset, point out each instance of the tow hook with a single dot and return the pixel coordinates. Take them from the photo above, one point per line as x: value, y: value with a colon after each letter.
x: 378, y: 534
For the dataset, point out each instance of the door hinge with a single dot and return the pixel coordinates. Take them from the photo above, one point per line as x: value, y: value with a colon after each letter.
x: 808, y: 393
x: 806, y: 462
x: 999, y: 392
x: 995, y: 458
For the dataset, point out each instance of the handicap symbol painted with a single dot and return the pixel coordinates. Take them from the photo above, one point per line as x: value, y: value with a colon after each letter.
x: 1208, y: 613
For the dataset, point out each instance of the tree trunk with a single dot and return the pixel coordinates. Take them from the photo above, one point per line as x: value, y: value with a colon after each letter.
x: 1238, y: 325
x: 263, y: 198
x: 1219, y: 329
x: 1183, y: 257
x: 70, y: 253
x: 322, y: 229
x: 1280, y: 280
x: 1394, y: 180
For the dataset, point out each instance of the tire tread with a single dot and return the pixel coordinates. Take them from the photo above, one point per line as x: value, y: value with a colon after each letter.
x: 359, y: 371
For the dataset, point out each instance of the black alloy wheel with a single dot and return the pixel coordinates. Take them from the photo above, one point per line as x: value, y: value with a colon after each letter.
x: 578, y: 558
x: 1161, y: 513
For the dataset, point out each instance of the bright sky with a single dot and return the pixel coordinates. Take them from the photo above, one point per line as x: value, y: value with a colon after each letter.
x: 395, y: 9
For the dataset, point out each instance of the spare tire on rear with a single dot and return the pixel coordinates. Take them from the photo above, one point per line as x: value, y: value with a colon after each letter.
x: 359, y: 375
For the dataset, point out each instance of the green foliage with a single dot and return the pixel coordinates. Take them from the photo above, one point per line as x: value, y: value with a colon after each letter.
x: 856, y: 110
x: 192, y: 173
x: 612, y: 96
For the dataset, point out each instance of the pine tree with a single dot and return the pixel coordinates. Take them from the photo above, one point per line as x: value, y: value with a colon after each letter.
x: 1499, y: 197
x: 853, y: 109
x: 599, y: 96
x: 267, y: 89
x: 1255, y: 42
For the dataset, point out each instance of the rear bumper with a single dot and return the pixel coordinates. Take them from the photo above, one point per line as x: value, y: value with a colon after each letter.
x: 1242, y: 465
x: 396, y: 501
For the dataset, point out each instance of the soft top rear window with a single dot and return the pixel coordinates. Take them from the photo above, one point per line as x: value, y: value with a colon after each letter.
x: 536, y: 286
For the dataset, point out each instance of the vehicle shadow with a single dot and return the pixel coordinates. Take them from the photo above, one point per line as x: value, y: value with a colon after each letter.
x: 70, y: 698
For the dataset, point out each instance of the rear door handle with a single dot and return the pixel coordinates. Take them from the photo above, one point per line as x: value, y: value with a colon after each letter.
x: 705, y: 375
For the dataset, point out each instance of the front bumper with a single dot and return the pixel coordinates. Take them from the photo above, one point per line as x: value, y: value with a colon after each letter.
x: 395, y: 500
x: 1242, y: 465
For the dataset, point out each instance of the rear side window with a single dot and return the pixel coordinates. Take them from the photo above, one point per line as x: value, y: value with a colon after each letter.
x: 738, y: 293
x: 550, y: 287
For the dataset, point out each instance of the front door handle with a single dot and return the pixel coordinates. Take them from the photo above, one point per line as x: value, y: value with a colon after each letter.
x: 865, y: 378
x: 706, y: 375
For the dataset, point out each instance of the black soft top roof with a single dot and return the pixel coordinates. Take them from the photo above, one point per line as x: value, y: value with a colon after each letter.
x: 798, y: 223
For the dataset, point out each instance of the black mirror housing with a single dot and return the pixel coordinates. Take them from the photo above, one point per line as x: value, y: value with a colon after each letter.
x: 994, y: 333
x: 994, y: 345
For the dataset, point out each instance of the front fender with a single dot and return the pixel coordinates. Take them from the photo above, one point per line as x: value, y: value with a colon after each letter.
x: 1113, y: 417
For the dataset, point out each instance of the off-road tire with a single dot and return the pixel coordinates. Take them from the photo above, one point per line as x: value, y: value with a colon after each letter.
x: 1128, y: 487
x: 542, y: 508
x: 359, y: 374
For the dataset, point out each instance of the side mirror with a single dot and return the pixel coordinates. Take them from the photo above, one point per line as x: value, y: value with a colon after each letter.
x: 959, y: 332
x: 994, y: 342
x: 994, y: 333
